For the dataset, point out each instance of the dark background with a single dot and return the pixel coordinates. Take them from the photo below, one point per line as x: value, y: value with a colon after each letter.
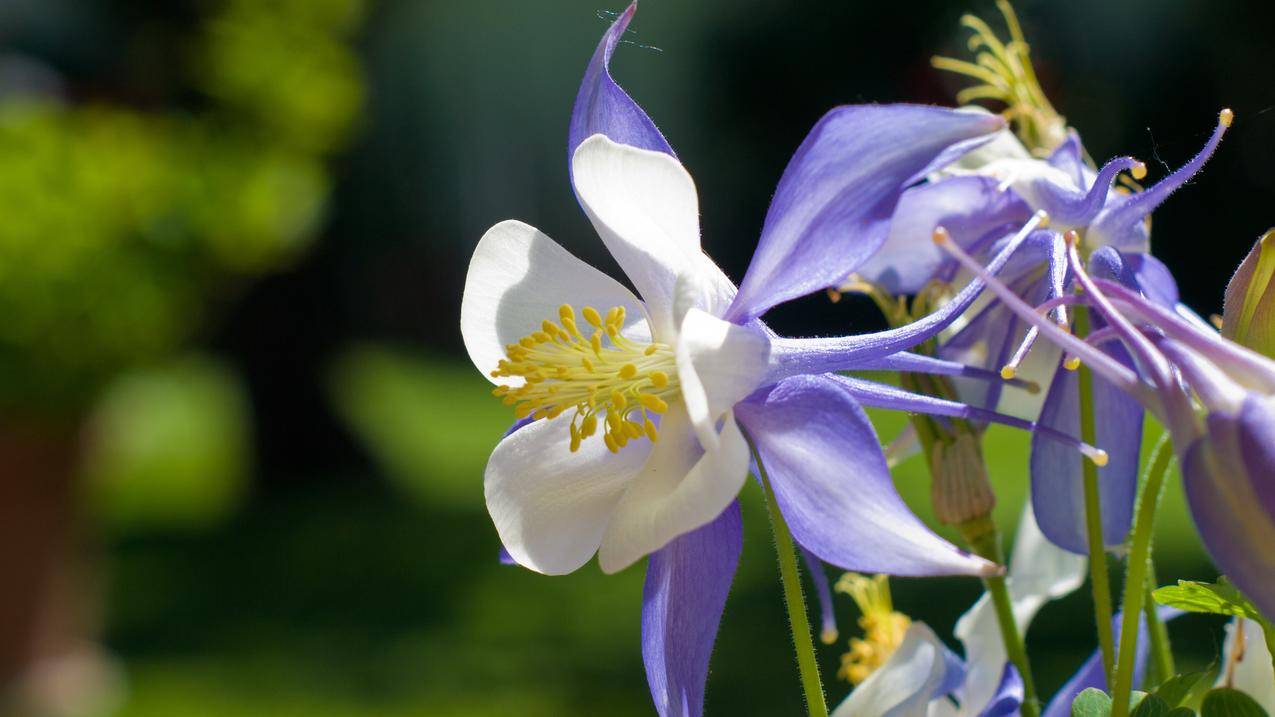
x: 358, y: 575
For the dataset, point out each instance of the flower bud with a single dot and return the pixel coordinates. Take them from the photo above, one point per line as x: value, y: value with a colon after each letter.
x: 1249, y: 314
x: 959, y: 488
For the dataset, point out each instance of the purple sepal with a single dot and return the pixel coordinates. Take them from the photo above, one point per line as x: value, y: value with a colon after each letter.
x: 1057, y: 484
x: 603, y: 107
x: 1229, y: 476
x: 682, y: 601
x: 1009, y: 695
x: 832, y: 207
x: 832, y: 485
x: 968, y: 207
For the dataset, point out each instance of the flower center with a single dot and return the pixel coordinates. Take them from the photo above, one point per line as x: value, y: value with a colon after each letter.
x: 883, y: 628
x: 603, y: 377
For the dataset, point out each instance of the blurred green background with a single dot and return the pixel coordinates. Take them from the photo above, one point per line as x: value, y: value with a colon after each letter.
x: 241, y: 449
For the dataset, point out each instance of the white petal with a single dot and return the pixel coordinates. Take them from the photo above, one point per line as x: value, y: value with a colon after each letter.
x: 905, y: 684
x: 518, y: 277
x: 1253, y: 675
x: 644, y: 206
x: 718, y: 364
x: 680, y: 488
x: 1038, y: 572
x: 551, y: 507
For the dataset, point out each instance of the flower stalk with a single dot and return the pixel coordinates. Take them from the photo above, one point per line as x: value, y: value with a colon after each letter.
x: 1136, y: 576
x: 1099, y: 578
x: 794, y: 599
x: 984, y: 539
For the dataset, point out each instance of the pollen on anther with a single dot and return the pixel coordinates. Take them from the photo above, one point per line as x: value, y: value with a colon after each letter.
x: 1008, y: 372
x: 1226, y: 117
x: 1071, y: 363
x: 592, y: 316
x: 940, y: 235
x: 1139, y: 170
x: 628, y: 371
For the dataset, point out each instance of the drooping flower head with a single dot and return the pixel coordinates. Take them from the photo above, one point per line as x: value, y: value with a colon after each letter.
x: 980, y: 199
x: 1216, y: 397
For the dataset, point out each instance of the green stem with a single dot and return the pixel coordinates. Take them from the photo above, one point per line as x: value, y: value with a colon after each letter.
x: 1161, y: 649
x: 1136, y: 576
x: 987, y: 544
x: 1099, y: 578
x: 794, y: 600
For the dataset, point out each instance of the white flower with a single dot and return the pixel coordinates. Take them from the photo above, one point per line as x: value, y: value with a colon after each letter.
x: 641, y: 445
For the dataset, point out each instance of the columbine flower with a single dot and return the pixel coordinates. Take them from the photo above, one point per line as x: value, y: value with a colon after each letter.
x: 923, y: 678
x: 1216, y: 397
x: 635, y: 413
x: 980, y: 199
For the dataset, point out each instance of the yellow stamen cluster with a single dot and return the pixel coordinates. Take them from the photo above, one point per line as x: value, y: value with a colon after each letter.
x: 1005, y: 74
x: 604, y: 377
x: 883, y: 628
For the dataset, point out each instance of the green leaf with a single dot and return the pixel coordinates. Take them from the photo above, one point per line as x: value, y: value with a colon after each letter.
x: 1151, y: 706
x: 1091, y: 703
x: 1226, y: 702
x: 1176, y: 689
x: 1181, y: 712
x: 1220, y: 598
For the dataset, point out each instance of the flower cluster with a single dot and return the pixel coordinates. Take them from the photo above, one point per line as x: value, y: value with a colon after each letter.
x: 1029, y: 266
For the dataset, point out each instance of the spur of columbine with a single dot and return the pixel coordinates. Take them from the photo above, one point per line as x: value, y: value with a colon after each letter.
x: 1215, y: 396
x: 981, y: 199
x: 635, y: 414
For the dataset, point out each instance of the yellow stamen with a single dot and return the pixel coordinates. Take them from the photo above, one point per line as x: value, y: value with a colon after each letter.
x: 1005, y: 74
x: 883, y: 628
x: 605, y: 378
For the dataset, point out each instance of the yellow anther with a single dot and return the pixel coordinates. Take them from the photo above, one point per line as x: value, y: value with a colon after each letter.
x: 1008, y: 372
x: 1226, y: 117
x: 1139, y: 170
x: 1071, y: 236
x: 883, y: 628
x: 653, y: 403
x: 940, y: 235
x: 605, y: 379
x: 1043, y: 218
x: 1071, y: 363
x: 1099, y: 458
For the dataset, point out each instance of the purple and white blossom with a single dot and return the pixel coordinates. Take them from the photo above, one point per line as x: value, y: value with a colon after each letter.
x: 981, y: 199
x: 637, y: 410
x: 1216, y: 397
